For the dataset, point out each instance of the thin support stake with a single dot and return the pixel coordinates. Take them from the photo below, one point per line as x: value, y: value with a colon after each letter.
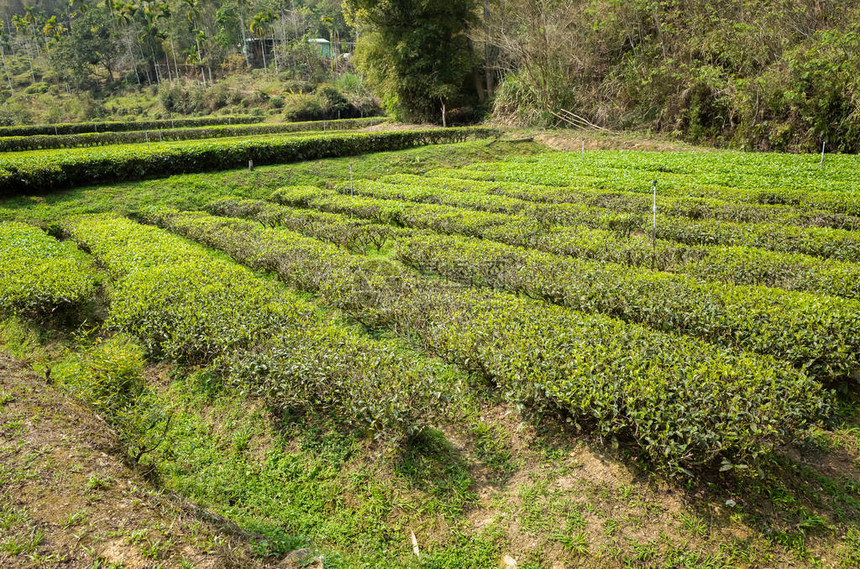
x: 823, y: 143
x: 582, y: 140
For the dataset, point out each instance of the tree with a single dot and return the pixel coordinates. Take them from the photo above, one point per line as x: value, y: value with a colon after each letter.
x: 415, y: 52
x: 260, y: 27
x: 3, y: 54
x: 89, y: 44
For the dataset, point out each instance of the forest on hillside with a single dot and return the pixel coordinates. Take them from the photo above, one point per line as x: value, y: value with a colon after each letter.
x: 769, y: 75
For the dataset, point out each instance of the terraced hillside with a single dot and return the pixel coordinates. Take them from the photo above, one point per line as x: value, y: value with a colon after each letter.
x: 433, y: 356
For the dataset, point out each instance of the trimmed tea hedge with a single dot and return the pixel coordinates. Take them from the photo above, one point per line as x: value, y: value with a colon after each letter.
x: 685, y: 402
x: 737, y: 265
x: 40, y: 172
x: 41, y: 142
x: 183, y: 303
x: 354, y: 234
x: 121, y: 126
x: 818, y: 334
x: 638, y: 203
x: 815, y: 241
x: 771, y: 179
x: 38, y: 274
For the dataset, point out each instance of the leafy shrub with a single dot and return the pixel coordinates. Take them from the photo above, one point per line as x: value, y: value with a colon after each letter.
x: 36, y: 142
x: 303, y: 107
x: 817, y: 334
x: 685, y: 402
x: 816, y: 241
x: 110, y: 380
x: 738, y: 265
x: 39, y: 275
x: 41, y: 173
x: 79, y: 128
x: 180, y: 302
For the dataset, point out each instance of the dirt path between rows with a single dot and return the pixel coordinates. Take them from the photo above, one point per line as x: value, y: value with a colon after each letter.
x: 67, y: 500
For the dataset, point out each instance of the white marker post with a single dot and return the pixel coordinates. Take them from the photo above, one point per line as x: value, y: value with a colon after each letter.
x: 821, y: 165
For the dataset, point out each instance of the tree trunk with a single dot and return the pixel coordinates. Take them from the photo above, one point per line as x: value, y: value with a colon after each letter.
x: 244, y: 39
x: 155, y: 64
x: 173, y: 53
x: 488, y: 52
x: 6, y: 69
x: 131, y: 55
x: 263, y: 51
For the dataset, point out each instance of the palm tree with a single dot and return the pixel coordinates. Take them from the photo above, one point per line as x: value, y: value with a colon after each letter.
x: 124, y: 14
x: 260, y: 27
x: 164, y: 14
x: 150, y: 35
x: 196, y: 56
x: 22, y: 29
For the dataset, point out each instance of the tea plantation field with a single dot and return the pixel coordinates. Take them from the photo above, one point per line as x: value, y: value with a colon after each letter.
x: 468, y: 355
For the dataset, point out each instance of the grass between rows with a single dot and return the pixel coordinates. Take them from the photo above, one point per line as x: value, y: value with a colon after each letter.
x: 489, y: 484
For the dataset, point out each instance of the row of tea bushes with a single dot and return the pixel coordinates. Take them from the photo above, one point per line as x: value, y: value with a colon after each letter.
x: 357, y: 235
x: 736, y: 265
x: 122, y: 126
x: 637, y: 203
x: 814, y: 241
x: 771, y: 179
x: 182, y: 303
x: 42, y: 142
x: 818, y: 334
x: 40, y: 275
x: 44, y: 171
x: 685, y: 402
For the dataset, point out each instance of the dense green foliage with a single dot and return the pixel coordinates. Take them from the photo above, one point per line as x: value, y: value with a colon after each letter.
x: 125, y: 126
x: 749, y: 178
x: 43, y: 171
x: 109, y: 377
x: 739, y: 265
x: 86, y: 45
x: 814, y: 333
x: 40, y: 275
x: 416, y: 53
x: 768, y: 75
x: 182, y: 303
x: 37, y: 142
x: 685, y: 402
x: 639, y: 203
x: 816, y: 241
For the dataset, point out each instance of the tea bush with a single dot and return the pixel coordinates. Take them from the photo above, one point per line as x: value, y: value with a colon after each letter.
x: 44, y: 171
x: 37, y: 142
x: 40, y: 275
x: 182, y: 303
x: 737, y: 265
x: 684, y: 401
